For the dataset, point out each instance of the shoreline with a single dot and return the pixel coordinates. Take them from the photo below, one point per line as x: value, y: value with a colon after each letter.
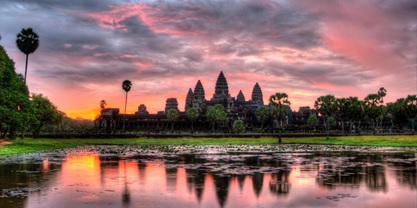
x: 362, y: 143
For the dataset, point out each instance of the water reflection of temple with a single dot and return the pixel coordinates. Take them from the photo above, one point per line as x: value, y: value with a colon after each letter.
x: 195, y: 182
x: 222, y: 185
x: 280, y: 183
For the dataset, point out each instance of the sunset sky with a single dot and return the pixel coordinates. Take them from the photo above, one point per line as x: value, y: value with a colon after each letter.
x: 304, y: 48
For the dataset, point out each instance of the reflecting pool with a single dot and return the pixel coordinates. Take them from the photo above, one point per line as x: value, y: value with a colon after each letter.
x: 86, y: 178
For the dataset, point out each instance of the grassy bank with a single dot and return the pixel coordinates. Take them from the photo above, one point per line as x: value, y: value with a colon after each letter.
x: 33, y: 145
x: 388, y: 141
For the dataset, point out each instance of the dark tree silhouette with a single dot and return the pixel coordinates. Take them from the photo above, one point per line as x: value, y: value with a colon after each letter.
x: 103, y: 104
x: 27, y: 41
x: 192, y: 115
x: 279, y: 104
x: 127, y: 84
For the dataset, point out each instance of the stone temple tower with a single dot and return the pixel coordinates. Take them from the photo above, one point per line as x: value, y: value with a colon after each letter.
x: 171, y: 103
x: 189, y: 99
x: 222, y: 89
x: 199, y: 97
x: 257, y: 97
x: 240, y: 97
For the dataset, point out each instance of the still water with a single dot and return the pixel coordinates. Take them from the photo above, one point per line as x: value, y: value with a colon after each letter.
x: 343, y: 179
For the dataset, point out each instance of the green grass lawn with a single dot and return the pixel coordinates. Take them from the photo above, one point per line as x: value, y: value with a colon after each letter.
x: 33, y: 145
x: 388, y: 141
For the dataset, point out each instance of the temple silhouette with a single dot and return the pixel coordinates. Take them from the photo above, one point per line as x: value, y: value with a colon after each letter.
x: 236, y: 108
x: 221, y: 95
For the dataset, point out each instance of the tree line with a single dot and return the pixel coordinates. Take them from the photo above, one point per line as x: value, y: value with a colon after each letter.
x: 21, y: 111
x: 347, y: 113
x: 372, y: 109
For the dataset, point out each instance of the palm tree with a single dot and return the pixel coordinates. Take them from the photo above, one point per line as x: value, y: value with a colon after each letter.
x: 238, y: 126
x: 374, y: 108
x: 325, y: 105
x: 211, y: 115
x: 127, y: 84
x: 216, y: 114
x: 221, y: 115
x: 262, y: 115
x: 313, y: 121
x: 172, y: 116
x: 398, y: 112
x: 342, y: 106
x: 411, y: 112
x: 192, y: 115
x: 280, y: 105
x: 27, y: 41
x: 355, y: 111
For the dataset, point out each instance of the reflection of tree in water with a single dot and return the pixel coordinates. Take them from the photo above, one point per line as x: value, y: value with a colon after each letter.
x: 14, y: 202
x: 28, y: 175
x: 407, y: 176
x: 253, y: 161
x: 222, y: 185
x: 406, y: 173
x: 353, y: 171
x: 107, y: 163
x: 11, y: 176
x: 280, y: 183
x: 331, y: 175
x: 374, y: 172
x: 195, y: 179
x: 126, y: 192
x: 141, y: 168
x: 375, y: 178
x: 257, y: 182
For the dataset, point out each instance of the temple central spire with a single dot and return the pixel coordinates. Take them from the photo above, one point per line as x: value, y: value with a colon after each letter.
x: 257, y: 97
x: 222, y: 89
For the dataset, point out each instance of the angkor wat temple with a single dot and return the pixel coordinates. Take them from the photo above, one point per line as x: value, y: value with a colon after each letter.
x: 236, y: 107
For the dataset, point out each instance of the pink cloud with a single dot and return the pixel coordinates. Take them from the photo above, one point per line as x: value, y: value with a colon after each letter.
x: 362, y: 31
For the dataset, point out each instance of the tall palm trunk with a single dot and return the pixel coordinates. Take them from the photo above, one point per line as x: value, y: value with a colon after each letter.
x: 26, y: 66
x: 12, y: 134
x: 374, y: 127
x: 124, y: 117
x: 326, y: 126
x: 279, y: 133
